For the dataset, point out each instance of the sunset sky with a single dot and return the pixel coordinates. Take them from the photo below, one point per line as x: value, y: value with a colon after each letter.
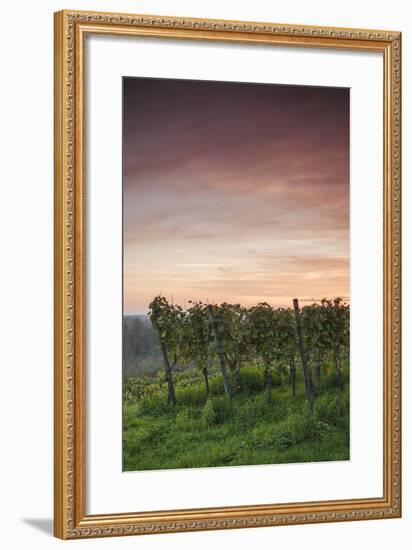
x: 234, y: 192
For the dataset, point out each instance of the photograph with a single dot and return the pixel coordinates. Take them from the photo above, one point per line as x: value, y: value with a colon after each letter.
x: 236, y: 274
x: 227, y: 273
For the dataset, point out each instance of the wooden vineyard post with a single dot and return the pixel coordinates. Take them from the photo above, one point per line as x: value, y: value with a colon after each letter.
x: 306, y: 372
x: 219, y: 351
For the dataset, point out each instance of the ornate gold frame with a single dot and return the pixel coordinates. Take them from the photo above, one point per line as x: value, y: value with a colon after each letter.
x: 71, y: 521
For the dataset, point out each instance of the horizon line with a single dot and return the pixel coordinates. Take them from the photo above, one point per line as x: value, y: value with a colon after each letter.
x: 311, y: 300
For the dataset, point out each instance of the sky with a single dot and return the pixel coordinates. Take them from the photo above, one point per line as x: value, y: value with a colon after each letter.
x: 234, y: 192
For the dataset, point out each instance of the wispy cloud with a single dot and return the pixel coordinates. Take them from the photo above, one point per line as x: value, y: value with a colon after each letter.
x: 235, y: 192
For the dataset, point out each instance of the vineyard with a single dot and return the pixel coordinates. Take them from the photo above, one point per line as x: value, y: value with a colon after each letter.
x: 236, y: 386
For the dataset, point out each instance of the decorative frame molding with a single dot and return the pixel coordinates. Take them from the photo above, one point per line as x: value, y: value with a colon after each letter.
x: 71, y: 520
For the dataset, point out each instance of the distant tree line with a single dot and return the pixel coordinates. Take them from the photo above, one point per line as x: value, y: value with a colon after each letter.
x: 141, y: 350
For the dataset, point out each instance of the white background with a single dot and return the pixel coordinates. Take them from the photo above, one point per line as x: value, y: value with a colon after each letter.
x: 26, y: 274
x: 110, y: 490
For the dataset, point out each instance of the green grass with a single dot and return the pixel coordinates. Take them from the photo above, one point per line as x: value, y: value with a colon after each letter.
x: 199, y: 433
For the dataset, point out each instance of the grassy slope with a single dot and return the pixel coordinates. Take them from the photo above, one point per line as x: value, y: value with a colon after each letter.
x: 247, y: 432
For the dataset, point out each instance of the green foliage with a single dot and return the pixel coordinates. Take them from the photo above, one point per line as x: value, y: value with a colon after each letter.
x: 256, y: 410
x: 245, y: 430
x: 229, y: 333
x: 141, y: 352
x: 271, y: 333
x: 197, y: 336
x: 257, y: 348
x: 333, y: 409
x: 304, y: 427
x: 250, y: 380
x: 191, y: 395
x: 188, y: 419
x: 167, y: 319
x: 153, y: 404
x: 216, y: 385
x: 217, y: 411
x: 135, y: 389
x: 232, y: 335
x: 326, y: 328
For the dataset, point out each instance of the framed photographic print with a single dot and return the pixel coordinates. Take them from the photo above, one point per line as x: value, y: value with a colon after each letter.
x: 227, y: 274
